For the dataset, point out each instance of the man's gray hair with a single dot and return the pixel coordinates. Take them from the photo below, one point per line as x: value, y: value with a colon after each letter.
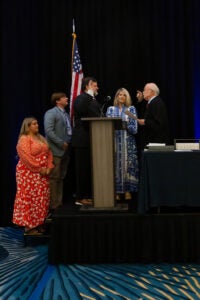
x: 154, y: 88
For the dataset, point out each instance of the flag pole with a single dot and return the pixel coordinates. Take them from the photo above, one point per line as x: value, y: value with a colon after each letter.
x: 73, y: 42
x: 77, y: 73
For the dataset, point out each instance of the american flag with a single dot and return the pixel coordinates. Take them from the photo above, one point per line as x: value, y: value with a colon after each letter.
x: 77, y: 76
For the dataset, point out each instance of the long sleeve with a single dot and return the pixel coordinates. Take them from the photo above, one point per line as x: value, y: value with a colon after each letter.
x: 50, y: 119
x: 50, y: 160
x: 132, y: 125
x: 25, y: 154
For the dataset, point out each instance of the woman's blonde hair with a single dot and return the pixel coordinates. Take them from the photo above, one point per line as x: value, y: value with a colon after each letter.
x: 128, y: 97
x: 25, y: 125
x: 25, y: 128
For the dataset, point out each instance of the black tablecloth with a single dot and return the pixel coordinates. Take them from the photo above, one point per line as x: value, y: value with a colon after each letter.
x: 169, y: 179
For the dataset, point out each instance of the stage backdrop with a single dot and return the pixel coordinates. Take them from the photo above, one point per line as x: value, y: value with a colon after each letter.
x: 122, y: 43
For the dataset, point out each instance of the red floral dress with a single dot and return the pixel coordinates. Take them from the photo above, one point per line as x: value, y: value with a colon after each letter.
x: 33, y: 194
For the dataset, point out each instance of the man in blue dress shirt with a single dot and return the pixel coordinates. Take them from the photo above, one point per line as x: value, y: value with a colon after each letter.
x: 58, y: 132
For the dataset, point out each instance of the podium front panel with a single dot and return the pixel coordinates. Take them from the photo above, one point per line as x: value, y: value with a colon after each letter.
x: 102, y: 139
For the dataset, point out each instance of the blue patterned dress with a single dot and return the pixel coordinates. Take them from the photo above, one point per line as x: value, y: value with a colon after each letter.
x: 126, y: 161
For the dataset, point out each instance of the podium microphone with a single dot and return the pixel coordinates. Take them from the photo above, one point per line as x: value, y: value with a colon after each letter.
x: 106, y: 100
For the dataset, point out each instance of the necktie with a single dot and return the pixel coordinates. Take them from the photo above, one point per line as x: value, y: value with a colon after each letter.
x: 69, y: 129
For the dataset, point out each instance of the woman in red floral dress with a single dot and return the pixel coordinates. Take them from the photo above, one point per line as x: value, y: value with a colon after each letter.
x: 31, y: 204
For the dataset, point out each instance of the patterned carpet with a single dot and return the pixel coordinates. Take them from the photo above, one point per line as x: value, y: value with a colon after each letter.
x: 26, y: 274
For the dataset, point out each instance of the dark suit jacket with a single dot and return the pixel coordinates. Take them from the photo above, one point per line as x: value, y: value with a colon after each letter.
x: 85, y: 106
x: 140, y: 139
x: 156, y: 122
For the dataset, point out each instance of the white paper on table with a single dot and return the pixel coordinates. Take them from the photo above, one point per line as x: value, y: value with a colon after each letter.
x: 156, y: 144
x: 132, y: 116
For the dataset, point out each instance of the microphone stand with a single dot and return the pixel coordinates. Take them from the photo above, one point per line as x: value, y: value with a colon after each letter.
x: 102, y: 114
x: 102, y: 110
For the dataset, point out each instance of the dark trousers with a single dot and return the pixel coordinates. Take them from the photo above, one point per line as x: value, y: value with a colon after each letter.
x: 57, y: 176
x: 83, y: 173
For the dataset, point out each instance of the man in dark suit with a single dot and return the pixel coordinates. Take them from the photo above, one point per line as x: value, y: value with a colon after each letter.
x: 85, y: 106
x: 141, y: 108
x: 155, y: 121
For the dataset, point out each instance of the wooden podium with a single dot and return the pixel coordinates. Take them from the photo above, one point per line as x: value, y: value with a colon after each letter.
x: 103, y: 157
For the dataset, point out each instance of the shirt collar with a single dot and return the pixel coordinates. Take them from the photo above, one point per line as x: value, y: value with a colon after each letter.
x: 151, y: 99
x: 90, y: 92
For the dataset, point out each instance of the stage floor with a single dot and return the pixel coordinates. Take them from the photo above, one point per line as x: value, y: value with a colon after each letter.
x: 123, y: 237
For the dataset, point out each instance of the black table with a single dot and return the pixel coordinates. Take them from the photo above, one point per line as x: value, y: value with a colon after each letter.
x: 169, y: 179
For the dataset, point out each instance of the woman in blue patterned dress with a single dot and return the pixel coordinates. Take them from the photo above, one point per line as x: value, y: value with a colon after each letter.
x: 126, y: 162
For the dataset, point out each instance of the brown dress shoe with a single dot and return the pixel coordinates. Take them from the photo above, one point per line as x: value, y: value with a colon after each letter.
x: 127, y: 196
x: 86, y: 201
x: 117, y: 197
x: 32, y: 231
